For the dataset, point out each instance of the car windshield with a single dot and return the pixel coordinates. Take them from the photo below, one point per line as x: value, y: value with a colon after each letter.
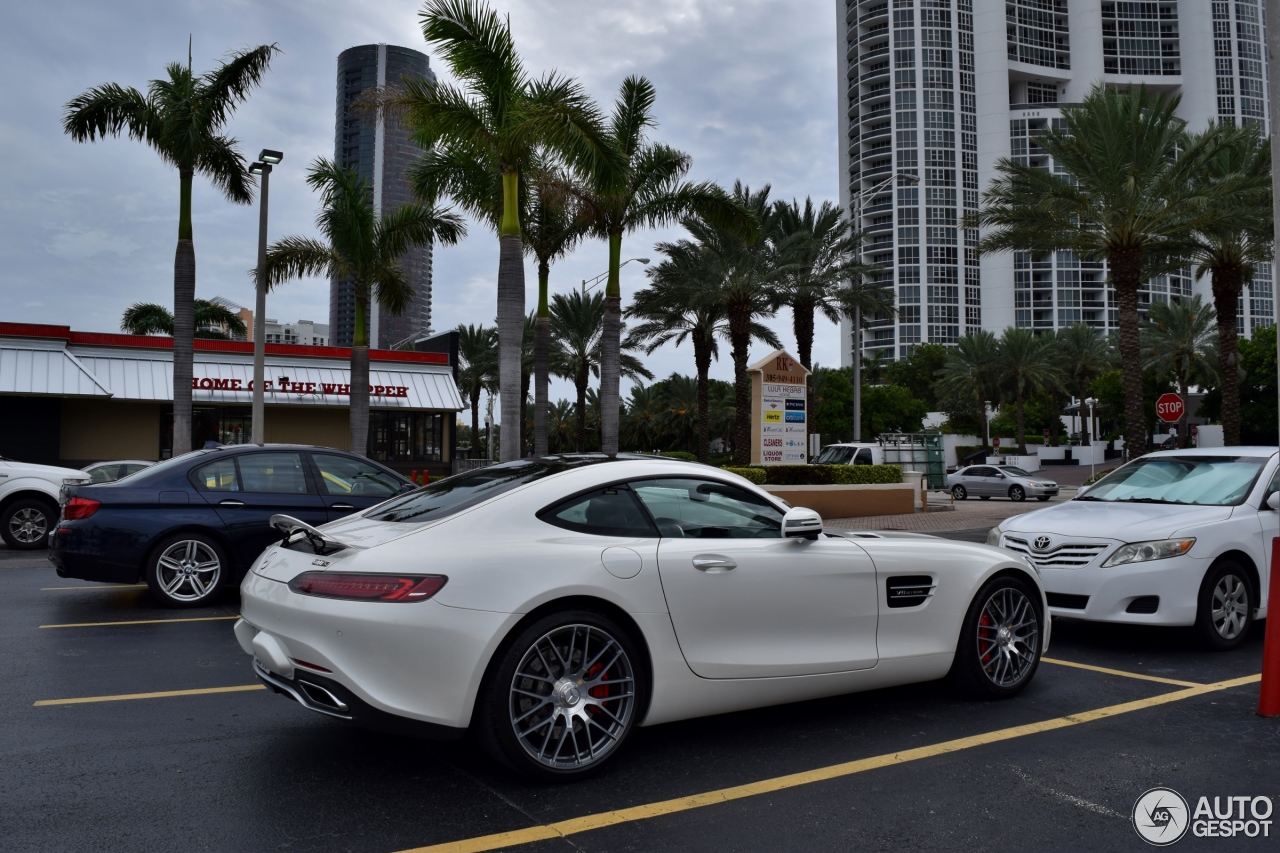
x: 834, y: 455
x: 1194, y: 480
x: 456, y: 493
x: 1015, y: 471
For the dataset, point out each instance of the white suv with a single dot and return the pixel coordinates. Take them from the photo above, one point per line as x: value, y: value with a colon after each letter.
x: 1181, y: 537
x: 29, y: 498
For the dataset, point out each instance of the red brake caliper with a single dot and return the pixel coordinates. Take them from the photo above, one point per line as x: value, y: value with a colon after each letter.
x: 600, y: 691
x: 984, y: 629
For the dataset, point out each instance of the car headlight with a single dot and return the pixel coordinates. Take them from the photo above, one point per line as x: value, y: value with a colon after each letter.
x: 1141, y: 552
x: 993, y: 537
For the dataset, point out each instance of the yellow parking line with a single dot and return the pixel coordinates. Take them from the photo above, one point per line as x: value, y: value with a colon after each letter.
x: 83, y: 700
x: 766, y: 786
x: 1122, y: 672
x: 95, y: 587
x: 142, y: 622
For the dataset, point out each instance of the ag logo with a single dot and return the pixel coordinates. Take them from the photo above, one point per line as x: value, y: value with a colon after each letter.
x: 1160, y: 817
x: 1042, y: 543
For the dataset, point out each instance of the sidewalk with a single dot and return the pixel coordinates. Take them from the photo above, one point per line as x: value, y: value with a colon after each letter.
x: 967, y: 515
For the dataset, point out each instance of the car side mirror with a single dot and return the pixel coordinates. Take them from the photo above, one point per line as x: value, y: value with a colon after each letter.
x: 407, y: 487
x: 1273, y: 502
x: 999, y: 476
x: 801, y: 522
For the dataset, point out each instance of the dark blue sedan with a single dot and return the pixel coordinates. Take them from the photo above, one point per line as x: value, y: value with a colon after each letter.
x: 193, y: 525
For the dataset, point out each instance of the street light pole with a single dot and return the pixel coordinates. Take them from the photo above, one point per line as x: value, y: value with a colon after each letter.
x: 857, y: 309
x: 263, y: 168
x: 595, y: 280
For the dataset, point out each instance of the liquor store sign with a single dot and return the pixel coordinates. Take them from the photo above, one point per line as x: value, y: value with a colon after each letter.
x: 779, y: 410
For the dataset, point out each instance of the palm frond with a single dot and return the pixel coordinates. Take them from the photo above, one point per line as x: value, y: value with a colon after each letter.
x: 221, y: 162
x: 299, y: 257
x: 228, y: 85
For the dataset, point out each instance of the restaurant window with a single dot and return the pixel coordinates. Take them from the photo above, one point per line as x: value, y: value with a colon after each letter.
x: 406, y: 436
x: 219, y: 424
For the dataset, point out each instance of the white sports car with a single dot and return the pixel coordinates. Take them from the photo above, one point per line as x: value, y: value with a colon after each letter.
x: 553, y: 605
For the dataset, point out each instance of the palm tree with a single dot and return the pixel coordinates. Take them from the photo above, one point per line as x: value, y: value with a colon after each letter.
x: 560, y: 426
x: 550, y: 233
x: 1124, y: 190
x: 477, y: 352
x: 972, y: 371
x: 640, y: 428
x: 1231, y: 254
x: 359, y: 246
x: 496, y: 119
x: 648, y: 191
x: 149, y: 318
x: 1178, y: 339
x: 741, y: 276
x: 527, y: 366
x: 675, y: 308
x: 576, y: 322
x: 181, y: 118
x: 1025, y: 366
x: 1086, y: 355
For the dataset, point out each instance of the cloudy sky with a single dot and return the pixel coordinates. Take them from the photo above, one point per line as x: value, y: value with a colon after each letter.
x: 746, y: 88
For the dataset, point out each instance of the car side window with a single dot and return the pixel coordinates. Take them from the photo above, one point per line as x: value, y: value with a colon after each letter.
x: 979, y: 472
x: 702, y: 509
x: 611, y: 511
x: 218, y: 476
x: 864, y: 457
x: 340, y: 475
x: 273, y: 473
x: 105, y: 474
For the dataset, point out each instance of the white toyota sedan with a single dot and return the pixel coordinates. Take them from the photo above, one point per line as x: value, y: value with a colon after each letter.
x: 1181, y: 537
x: 552, y: 605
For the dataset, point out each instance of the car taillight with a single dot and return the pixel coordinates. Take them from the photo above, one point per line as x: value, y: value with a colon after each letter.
x: 358, y: 587
x: 79, y: 508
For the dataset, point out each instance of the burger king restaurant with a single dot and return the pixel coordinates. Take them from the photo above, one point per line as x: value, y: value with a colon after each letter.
x: 72, y: 398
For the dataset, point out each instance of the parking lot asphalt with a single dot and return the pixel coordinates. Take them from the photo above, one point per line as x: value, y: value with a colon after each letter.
x: 1112, y: 713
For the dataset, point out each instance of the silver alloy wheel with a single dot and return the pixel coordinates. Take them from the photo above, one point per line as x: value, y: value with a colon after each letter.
x: 572, y: 697
x: 188, y: 570
x: 28, y: 525
x: 1230, y: 606
x: 1008, y: 637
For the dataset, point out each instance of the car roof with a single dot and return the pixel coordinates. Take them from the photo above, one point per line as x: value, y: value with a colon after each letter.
x: 1248, y: 450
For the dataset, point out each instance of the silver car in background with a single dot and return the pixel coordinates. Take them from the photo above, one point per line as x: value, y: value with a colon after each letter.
x: 1004, y: 481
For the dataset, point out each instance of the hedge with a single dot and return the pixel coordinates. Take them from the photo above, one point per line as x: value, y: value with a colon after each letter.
x: 820, y: 475
x: 755, y: 475
x: 679, y: 454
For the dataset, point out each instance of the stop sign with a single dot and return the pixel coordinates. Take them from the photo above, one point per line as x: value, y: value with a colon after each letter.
x: 1169, y: 408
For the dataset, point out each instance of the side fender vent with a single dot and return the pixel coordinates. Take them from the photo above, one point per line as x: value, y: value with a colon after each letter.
x: 909, y: 590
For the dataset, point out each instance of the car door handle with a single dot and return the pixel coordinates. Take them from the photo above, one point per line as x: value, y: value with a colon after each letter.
x: 708, y: 562
x: 230, y: 502
x: 341, y: 506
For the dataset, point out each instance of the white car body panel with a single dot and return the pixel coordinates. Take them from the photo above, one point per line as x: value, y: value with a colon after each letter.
x: 426, y: 660
x: 1246, y: 530
x: 16, y: 477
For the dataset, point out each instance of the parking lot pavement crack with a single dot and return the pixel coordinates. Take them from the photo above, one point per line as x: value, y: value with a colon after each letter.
x: 539, y: 832
x: 1080, y: 802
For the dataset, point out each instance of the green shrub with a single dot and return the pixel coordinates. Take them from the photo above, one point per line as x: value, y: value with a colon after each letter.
x: 755, y: 475
x: 821, y: 475
x: 680, y: 454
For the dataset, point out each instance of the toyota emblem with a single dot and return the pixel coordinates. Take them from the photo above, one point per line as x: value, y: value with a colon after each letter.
x: 1042, y: 543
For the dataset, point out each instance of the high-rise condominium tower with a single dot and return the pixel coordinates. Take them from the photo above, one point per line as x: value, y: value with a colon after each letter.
x: 381, y: 152
x: 933, y: 92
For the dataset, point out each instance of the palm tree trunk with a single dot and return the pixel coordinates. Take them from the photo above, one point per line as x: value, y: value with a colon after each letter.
x: 580, y: 385
x: 1184, y: 440
x: 1227, y: 282
x: 184, y: 325
x: 802, y: 325
x: 541, y: 362
x: 1086, y: 424
x: 1022, y: 424
x: 1126, y: 273
x: 475, y: 420
x: 702, y: 359
x: 610, y: 348
x: 525, y: 378
x: 510, y: 338
x: 359, y: 413
x: 1055, y: 408
x: 740, y: 340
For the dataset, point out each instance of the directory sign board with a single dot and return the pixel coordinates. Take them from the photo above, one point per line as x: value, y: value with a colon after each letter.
x: 779, y: 411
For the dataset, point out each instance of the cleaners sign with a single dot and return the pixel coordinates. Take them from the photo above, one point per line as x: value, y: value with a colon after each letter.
x: 779, y: 410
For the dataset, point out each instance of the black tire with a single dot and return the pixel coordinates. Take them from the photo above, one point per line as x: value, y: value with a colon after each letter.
x: 1229, y: 586
x: 187, y: 570
x: 26, y: 524
x: 959, y: 492
x: 508, y: 695
x: 976, y: 669
x: 1017, y: 494
x: 1042, y: 497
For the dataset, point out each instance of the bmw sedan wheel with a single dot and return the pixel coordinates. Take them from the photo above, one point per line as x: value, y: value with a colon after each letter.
x: 25, y: 524
x: 563, y: 696
x: 999, y: 646
x: 959, y: 492
x: 186, y: 570
x: 1225, y: 609
x: 1017, y: 494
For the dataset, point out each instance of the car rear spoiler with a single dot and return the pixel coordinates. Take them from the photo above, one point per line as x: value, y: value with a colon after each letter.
x: 321, y: 543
